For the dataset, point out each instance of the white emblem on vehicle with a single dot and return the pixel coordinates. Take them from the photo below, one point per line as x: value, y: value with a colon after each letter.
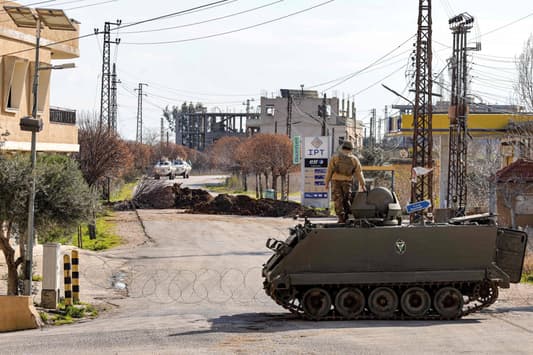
x: 401, y: 246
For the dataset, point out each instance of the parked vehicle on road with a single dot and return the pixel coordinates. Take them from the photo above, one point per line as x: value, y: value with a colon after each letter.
x: 182, y: 168
x: 164, y: 168
x: 376, y: 267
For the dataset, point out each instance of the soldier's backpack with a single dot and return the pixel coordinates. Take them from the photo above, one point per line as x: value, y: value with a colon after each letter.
x: 345, y: 165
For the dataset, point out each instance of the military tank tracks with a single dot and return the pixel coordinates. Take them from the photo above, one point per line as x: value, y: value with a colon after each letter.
x: 432, y: 301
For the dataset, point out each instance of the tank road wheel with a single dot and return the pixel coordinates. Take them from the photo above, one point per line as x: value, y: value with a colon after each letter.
x: 383, y: 302
x: 486, y: 292
x: 316, y: 303
x: 350, y: 302
x: 415, y: 301
x: 448, y: 302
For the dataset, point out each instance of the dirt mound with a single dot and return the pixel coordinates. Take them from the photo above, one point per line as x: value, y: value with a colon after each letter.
x: 152, y: 194
x: 203, y: 202
x: 245, y: 206
x: 189, y: 198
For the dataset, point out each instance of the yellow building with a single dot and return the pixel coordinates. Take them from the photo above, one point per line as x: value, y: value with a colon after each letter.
x: 503, y: 125
x: 17, y: 50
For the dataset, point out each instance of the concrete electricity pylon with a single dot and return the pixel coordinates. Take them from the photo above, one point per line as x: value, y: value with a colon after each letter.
x: 372, y: 138
x: 105, y: 94
x: 422, y: 182
x: 113, y: 99
x: 458, y: 112
x: 139, y: 134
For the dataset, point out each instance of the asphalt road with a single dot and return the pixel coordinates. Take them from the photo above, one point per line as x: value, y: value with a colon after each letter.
x: 194, y: 286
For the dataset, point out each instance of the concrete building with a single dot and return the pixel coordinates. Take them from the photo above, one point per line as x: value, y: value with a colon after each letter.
x: 17, y: 46
x: 305, y: 120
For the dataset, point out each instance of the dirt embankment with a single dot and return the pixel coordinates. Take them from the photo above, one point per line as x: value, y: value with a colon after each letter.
x: 153, y: 195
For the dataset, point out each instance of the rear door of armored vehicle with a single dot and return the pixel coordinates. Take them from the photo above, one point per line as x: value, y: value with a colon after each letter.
x: 510, y: 251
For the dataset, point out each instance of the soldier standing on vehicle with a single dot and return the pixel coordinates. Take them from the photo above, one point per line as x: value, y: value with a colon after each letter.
x: 342, y: 168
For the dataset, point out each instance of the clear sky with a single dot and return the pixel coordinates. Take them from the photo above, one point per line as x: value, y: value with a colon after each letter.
x: 316, y: 46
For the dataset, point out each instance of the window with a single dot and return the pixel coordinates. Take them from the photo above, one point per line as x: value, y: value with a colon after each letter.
x: 15, y: 71
x: 270, y: 110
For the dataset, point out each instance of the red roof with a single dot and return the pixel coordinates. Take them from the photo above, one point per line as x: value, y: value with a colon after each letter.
x: 519, y: 171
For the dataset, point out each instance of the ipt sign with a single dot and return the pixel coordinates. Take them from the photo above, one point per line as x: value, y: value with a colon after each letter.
x: 316, y: 147
x: 314, y: 168
x: 316, y: 152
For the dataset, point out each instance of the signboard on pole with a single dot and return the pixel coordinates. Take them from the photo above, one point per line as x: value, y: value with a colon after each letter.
x: 314, y: 168
x: 417, y: 206
x: 296, y: 149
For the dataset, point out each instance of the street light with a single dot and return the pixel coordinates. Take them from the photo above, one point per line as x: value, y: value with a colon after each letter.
x: 59, y: 66
x: 54, y: 20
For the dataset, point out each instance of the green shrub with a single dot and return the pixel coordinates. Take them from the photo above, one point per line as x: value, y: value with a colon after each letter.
x: 124, y: 193
x: 105, y: 236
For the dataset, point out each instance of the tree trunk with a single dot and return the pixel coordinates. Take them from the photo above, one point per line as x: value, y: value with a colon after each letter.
x: 9, y: 254
x: 275, y: 186
x: 12, y: 279
x: 256, y: 185
x: 245, y: 182
x: 283, y: 197
x: 260, y: 186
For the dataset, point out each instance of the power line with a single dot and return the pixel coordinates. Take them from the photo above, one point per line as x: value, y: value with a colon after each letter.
x: 173, y: 14
x: 380, y: 80
x: 125, y: 26
x: 204, y: 21
x: 506, y: 25
x: 351, y: 75
x: 90, y: 5
x: 232, y: 31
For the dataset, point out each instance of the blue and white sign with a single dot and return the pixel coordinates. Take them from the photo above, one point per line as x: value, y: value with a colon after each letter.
x: 314, y: 168
x: 417, y: 206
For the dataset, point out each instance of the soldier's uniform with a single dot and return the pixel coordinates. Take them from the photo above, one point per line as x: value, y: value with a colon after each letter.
x: 342, y: 168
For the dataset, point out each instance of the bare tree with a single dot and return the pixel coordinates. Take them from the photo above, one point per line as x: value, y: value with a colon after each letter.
x: 151, y: 136
x: 524, y: 86
x: 223, y: 153
x: 143, y: 157
x: 483, y: 161
x: 102, y: 152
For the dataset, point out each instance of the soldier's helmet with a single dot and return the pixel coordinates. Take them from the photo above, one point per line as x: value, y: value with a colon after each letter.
x: 347, y: 145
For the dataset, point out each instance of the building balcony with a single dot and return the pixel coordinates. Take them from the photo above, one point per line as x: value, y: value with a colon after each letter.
x: 62, y: 115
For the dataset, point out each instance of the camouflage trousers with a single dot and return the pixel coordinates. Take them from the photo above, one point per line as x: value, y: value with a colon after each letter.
x: 341, y: 194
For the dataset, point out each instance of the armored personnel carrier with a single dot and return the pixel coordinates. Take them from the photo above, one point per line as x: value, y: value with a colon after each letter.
x: 375, y: 267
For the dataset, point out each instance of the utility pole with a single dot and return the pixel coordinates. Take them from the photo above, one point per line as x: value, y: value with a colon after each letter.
x: 458, y: 112
x: 372, y: 138
x: 105, y: 94
x: 422, y: 184
x: 379, y: 135
x: 324, y: 114
x: 289, y: 115
x: 386, y: 119
x: 114, y: 104
x: 248, y: 106
x: 285, y: 194
x: 139, y: 135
